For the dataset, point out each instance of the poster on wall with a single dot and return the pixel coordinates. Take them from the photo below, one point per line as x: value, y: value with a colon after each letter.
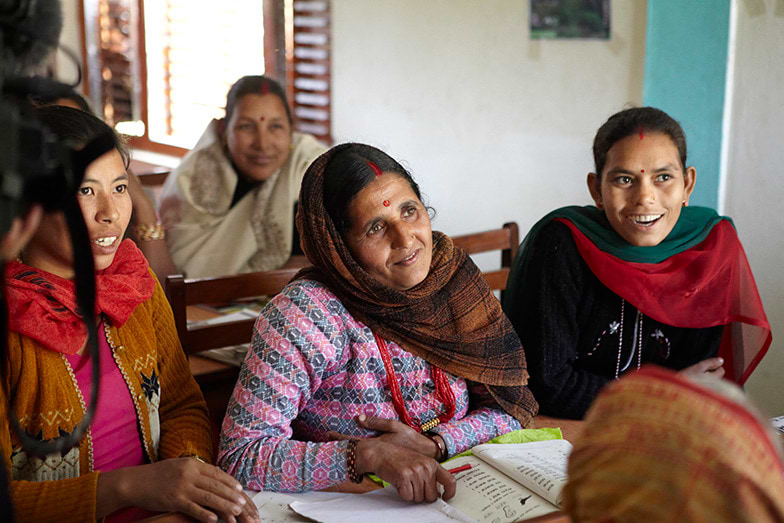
x: 570, y: 19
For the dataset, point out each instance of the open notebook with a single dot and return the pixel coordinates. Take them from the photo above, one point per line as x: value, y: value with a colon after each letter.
x: 505, y: 483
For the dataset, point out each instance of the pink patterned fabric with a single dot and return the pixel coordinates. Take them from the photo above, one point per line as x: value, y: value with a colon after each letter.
x: 313, y: 368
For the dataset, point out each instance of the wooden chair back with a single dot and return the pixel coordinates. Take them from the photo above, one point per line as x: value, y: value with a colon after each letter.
x: 184, y: 292
x: 506, y: 239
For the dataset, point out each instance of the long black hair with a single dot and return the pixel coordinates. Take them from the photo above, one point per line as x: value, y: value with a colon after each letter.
x: 78, y: 128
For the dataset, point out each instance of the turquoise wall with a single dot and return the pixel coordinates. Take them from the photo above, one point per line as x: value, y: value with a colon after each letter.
x: 685, y: 72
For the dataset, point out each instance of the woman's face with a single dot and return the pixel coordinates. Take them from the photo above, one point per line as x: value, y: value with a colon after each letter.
x: 106, y: 207
x: 389, y: 232
x: 643, y: 188
x: 258, y: 136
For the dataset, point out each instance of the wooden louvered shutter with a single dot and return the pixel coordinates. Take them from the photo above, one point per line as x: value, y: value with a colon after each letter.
x: 308, y: 78
x: 110, y: 59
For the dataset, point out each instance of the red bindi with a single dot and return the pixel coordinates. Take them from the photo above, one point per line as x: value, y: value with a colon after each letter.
x: 386, y: 203
x: 642, y: 170
x: 261, y: 119
x: 375, y: 168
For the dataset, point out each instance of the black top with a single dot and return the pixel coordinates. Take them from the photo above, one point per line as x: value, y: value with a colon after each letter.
x: 570, y: 325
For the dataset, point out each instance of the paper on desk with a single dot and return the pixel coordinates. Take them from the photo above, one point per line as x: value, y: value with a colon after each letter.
x: 243, y: 314
x: 382, y: 505
x: 274, y: 506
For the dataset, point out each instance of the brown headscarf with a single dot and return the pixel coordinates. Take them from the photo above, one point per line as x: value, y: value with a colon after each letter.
x: 657, y: 447
x: 451, y: 319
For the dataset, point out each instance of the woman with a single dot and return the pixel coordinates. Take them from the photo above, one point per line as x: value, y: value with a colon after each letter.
x: 641, y: 277
x: 149, y: 439
x: 658, y: 447
x: 392, y: 344
x: 229, y: 207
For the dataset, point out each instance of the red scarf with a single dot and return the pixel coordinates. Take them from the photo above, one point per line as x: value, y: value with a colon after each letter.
x: 707, y: 285
x: 43, y: 307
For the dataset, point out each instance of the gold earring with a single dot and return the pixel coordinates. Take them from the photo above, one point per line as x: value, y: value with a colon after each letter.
x: 685, y: 203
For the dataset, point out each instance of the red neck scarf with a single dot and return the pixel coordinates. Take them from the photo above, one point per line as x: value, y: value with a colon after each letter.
x: 42, y: 306
x: 707, y: 285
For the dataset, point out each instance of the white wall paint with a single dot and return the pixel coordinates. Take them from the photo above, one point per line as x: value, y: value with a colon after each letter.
x: 755, y: 174
x: 494, y: 126
x: 71, y: 37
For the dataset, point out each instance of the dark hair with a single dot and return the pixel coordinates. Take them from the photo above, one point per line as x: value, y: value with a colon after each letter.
x: 77, y: 127
x: 260, y: 85
x: 70, y: 95
x: 633, y: 121
x: 348, y: 171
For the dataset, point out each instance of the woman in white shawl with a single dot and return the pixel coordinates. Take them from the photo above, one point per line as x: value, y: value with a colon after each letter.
x: 229, y: 206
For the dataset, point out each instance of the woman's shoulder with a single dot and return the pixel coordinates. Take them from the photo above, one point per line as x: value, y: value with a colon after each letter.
x: 554, y: 236
x: 308, y: 294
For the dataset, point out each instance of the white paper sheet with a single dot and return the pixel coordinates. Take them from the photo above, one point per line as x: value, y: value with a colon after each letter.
x: 381, y: 505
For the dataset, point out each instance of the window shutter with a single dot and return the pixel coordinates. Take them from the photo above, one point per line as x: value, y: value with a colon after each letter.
x: 309, y: 85
x: 110, y: 58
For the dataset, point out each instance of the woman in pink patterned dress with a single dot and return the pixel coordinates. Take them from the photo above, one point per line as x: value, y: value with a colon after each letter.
x: 389, y: 355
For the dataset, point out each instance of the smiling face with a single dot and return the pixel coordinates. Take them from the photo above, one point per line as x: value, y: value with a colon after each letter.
x: 389, y: 232
x: 643, y: 188
x: 106, y: 206
x: 258, y: 135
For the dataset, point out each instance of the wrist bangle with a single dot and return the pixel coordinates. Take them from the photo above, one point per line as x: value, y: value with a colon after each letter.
x: 146, y: 232
x: 440, y: 444
x: 351, y: 461
x: 196, y: 457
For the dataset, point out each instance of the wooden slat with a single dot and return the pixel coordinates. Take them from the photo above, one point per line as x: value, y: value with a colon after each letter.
x: 199, y: 339
x: 497, y: 239
x: 497, y: 279
x: 227, y: 288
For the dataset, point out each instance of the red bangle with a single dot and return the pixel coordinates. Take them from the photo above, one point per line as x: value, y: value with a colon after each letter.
x: 439, y: 444
x: 351, y: 458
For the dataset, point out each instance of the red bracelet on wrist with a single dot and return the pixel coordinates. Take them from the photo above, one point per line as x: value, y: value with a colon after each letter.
x: 438, y: 440
x: 351, y: 461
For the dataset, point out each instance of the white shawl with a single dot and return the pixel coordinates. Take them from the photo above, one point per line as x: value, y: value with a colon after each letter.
x: 206, y: 237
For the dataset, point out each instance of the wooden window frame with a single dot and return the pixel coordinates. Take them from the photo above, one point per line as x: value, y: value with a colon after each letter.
x: 276, y: 65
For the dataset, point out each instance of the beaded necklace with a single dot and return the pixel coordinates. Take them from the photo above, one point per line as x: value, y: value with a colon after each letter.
x: 620, y: 341
x: 443, y: 392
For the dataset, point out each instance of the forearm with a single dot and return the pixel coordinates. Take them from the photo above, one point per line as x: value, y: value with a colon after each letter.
x: 477, y: 427
x: 156, y: 251
x: 111, y: 493
x: 72, y: 499
x: 284, y: 465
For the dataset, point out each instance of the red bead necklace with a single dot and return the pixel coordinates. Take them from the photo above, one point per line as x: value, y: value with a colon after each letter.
x: 444, y: 392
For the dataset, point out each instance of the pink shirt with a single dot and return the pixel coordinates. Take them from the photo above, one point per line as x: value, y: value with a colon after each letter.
x: 116, y: 441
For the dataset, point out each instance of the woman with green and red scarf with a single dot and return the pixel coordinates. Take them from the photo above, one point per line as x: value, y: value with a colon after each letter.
x: 639, y: 278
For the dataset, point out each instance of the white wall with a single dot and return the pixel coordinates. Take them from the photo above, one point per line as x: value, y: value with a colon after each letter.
x: 495, y: 127
x: 754, y: 190
x: 71, y: 37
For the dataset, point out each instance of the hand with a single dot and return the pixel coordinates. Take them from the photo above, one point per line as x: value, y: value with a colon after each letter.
x: 395, y: 432
x: 416, y: 477
x: 711, y: 367
x: 201, y: 491
x: 22, y: 229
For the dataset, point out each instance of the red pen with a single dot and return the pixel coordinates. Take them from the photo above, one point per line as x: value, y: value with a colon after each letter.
x: 460, y: 469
